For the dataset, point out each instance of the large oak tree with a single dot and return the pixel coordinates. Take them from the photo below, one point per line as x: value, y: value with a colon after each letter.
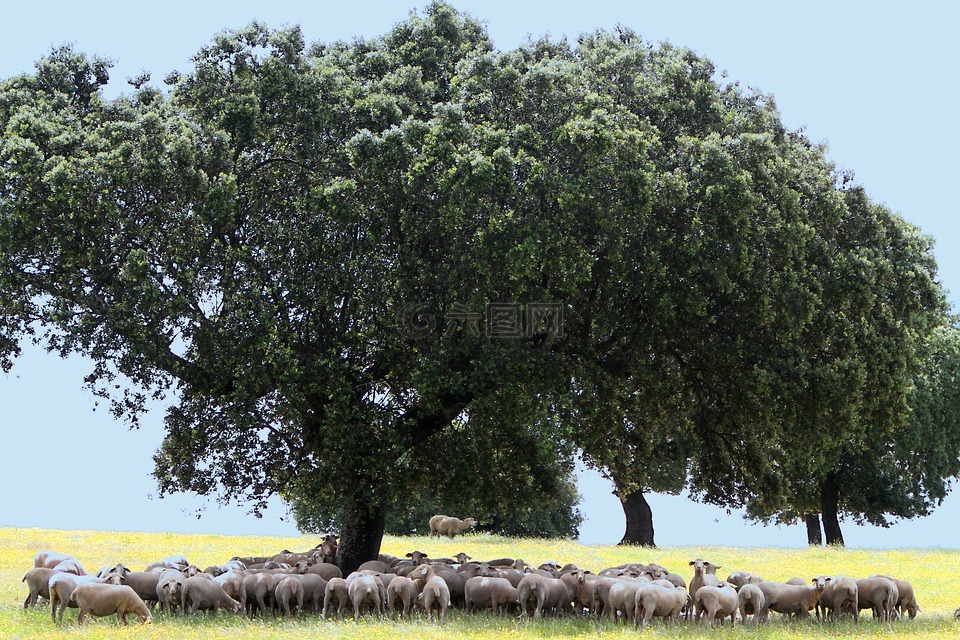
x: 331, y: 258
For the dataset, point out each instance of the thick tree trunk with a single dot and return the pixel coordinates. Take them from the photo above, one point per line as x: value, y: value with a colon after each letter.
x: 639, y: 520
x: 829, y: 496
x: 360, y: 534
x: 814, y: 535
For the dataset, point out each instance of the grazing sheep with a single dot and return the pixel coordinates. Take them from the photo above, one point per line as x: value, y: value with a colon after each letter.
x: 365, y: 591
x: 750, y: 601
x: 435, y: 594
x: 791, y: 599
x: 532, y: 593
x: 62, y: 586
x: 879, y: 594
x: 907, y: 601
x: 37, y: 579
x: 107, y: 599
x: 495, y: 593
x: 718, y: 601
x: 662, y: 602
x: 799, y: 582
x: 404, y: 591
x: 337, y: 591
x: 451, y: 526
x: 199, y: 593
x: 289, y: 596
x: 839, y: 595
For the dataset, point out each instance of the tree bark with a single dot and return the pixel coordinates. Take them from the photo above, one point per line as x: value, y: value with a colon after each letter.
x: 829, y: 496
x: 639, y: 520
x: 814, y: 534
x: 360, y: 534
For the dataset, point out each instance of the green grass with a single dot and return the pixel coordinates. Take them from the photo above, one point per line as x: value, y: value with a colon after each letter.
x: 932, y: 572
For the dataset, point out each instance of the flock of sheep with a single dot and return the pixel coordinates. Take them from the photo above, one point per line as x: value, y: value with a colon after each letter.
x: 293, y: 583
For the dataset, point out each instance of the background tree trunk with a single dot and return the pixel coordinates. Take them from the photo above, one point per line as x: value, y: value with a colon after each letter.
x: 639, y: 520
x: 829, y: 493
x: 814, y: 534
x: 360, y: 534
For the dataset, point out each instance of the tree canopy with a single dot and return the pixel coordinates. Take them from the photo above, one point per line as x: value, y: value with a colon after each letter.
x: 334, y: 259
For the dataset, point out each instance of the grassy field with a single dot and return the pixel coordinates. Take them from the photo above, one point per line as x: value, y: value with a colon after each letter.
x: 933, y: 573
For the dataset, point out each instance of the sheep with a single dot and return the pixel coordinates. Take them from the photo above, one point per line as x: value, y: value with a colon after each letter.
x: 322, y: 569
x: 839, y: 595
x: 718, y: 601
x: 451, y: 526
x: 704, y: 574
x: 600, y: 595
x: 107, y: 599
x: 71, y: 565
x: 418, y: 557
x: 49, y: 559
x: 879, y: 594
x: 462, y: 558
x: 375, y: 565
x: 404, y: 591
x: 289, y: 595
x: 750, y: 601
x: 435, y: 593
x: 337, y: 591
x: 578, y: 581
x: 314, y: 589
x: 365, y: 590
x: 907, y: 600
x: 788, y: 598
x: 435, y: 525
x: 144, y: 583
x: 532, y: 591
x: 199, y: 593
x: 258, y: 588
x: 621, y: 599
x: 482, y: 592
x: 37, y: 579
x: 455, y: 581
x: 169, y: 587
x: 62, y: 586
x: 663, y: 602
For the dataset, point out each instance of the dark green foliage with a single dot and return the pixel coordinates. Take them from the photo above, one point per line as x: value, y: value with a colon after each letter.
x: 286, y: 240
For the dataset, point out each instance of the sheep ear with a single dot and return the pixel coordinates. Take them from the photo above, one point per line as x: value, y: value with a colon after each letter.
x: 410, y: 555
x: 719, y: 566
x: 588, y: 571
x: 692, y: 563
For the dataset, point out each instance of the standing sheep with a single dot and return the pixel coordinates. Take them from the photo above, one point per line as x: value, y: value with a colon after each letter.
x: 451, y: 526
x: 107, y: 599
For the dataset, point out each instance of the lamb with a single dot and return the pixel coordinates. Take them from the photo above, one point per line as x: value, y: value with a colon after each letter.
x: 788, y: 598
x: 839, y: 595
x: 107, y: 599
x: 200, y: 593
x: 289, y: 595
x: 750, y: 601
x: 879, y: 594
x: 496, y: 593
x: 663, y: 602
x: 435, y: 593
x: 37, y: 579
x: 337, y: 591
x: 404, y: 591
x: 718, y: 601
x: 365, y: 590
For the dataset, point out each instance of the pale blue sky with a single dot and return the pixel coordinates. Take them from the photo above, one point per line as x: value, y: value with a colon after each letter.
x: 877, y: 82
